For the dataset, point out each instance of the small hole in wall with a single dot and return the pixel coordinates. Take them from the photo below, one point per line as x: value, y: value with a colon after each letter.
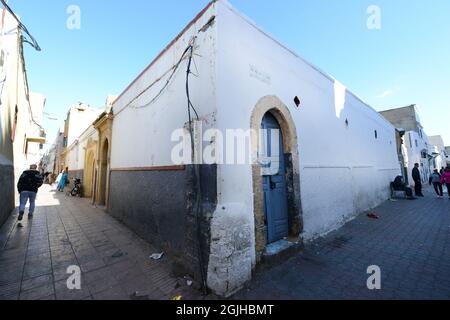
x: 297, y: 102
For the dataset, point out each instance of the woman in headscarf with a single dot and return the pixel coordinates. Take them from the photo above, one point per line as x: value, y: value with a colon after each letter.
x: 63, y: 181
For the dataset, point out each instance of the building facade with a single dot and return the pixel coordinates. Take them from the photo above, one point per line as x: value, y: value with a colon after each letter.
x: 419, y: 149
x: 219, y: 217
x: 21, y: 134
x: 439, y: 153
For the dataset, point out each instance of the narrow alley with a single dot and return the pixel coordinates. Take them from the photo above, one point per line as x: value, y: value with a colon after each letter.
x: 66, y: 231
x: 409, y: 242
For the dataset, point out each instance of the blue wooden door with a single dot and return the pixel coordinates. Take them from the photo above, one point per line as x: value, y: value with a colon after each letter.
x: 274, y: 184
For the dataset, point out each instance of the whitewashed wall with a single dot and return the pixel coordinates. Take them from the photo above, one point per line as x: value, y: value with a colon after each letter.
x: 142, y: 136
x: 77, y: 151
x: 415, y: 156
x: 342, y: 170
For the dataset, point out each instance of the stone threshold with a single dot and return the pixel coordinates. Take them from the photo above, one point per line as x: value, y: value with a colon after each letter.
x: 280, y: 251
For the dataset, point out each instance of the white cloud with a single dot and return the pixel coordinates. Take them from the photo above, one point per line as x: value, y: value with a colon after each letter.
x: 385, y: 94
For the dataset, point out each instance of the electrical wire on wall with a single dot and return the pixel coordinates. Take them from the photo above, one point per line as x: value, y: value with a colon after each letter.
x: 188, y: 55
x: 32, y: 41
x: 197, y: 171
x: 26, y: 87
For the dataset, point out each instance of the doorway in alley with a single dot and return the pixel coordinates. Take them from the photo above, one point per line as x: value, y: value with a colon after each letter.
x: 103, y: 173
x: 274, y: 180
x: 277, y: 205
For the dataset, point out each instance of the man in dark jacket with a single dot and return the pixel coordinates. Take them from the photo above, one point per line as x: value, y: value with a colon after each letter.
x: 400, y: 185
x: 29, y: 183
x: 417, y: 181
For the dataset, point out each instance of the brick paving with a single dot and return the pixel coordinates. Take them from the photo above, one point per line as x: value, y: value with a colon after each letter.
x: 410, y: 243
x: 66, y: 231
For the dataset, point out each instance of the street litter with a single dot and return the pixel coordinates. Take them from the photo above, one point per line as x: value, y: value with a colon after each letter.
x: 189, y: 283
x: 177, y: 298
x: 373, y: 216
x: 157, y: 256
x: 118, y: 254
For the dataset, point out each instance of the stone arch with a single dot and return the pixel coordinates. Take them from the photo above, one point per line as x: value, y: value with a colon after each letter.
x: 89, y: 173
x: 105, y: 147
x: 281, y: 112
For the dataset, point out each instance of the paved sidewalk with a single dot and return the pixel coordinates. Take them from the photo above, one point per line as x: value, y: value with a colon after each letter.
x: 65, y: 231
x: 410, y: 243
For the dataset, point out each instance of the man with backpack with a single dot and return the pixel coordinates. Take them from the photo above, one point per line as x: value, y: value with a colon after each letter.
x: 29, y: 183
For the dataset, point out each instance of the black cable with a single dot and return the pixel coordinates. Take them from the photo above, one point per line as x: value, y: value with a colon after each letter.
x: 197, y: 172
x: 21, y: 26
x: 26, y: 88
x: 175, y: 68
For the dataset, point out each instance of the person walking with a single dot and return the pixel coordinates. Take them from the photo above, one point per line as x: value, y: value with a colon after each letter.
x: 436, y: 181
x: 417, y: 181
x: 63, y: 181
x: 445, y: 179
x: 29, y: 183
x: 58, y: 179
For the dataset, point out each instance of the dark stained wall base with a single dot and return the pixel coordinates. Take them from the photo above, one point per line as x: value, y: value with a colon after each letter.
x: 6, y: 192
x: 161, y: 207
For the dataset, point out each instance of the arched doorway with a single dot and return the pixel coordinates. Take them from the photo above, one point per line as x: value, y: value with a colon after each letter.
x: 274, y: 180
x: 104, y: 172
x: 276, y: 191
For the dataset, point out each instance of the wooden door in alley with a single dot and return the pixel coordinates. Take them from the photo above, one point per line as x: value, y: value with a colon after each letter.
x: 274, y: 181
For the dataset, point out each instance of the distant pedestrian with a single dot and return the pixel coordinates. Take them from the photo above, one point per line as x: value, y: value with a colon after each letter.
x: 63, y: 181
x: 29, y: 183
x: 445, y: 179
x: 436, y: 180
x: 417, y: 181
x: 58, y: 178
x: 441, y: 172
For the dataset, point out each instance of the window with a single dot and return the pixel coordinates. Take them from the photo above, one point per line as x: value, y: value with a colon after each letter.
x: 417, y: 144
x: 297, y: 102
x: 376, y: 134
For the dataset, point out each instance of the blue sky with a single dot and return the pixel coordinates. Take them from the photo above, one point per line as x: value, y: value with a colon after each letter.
x: 406, y: 62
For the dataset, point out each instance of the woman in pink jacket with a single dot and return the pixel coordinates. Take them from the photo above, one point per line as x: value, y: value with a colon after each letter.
x: 445, y: 179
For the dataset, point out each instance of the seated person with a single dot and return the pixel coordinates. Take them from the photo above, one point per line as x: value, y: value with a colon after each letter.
x: 400, y: 185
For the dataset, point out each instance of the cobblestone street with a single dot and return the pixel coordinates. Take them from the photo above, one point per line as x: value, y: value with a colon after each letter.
x: 410, y: 243
x: 115, y: 263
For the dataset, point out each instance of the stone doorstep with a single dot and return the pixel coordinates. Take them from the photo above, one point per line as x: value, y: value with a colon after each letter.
x: 280, y: 251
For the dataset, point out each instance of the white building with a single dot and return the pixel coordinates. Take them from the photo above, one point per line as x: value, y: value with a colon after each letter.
x: 340, y: 155
x: 76, y: 152
x: 79, y: 117
x: 439, y: 154
x: 20, y: 132
x: 419, y: 148
x: 36, y: 134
